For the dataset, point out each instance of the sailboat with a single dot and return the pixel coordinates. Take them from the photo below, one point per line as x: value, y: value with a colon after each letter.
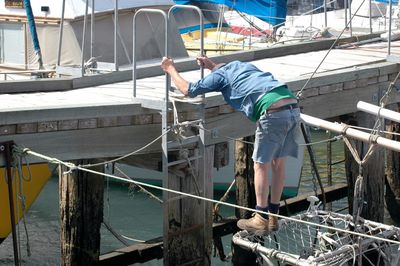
x: 26, y: 187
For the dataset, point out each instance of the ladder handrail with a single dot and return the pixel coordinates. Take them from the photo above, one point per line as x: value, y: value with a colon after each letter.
x: 201, y: 18
x: 167, y: 79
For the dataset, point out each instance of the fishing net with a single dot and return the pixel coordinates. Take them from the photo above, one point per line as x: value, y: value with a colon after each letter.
x: 325, y: 238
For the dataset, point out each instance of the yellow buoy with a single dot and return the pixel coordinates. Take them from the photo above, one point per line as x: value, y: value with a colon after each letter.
x: 33, y: 180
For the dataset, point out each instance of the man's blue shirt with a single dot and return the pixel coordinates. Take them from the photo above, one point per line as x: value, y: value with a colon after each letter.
x: 241, y: 84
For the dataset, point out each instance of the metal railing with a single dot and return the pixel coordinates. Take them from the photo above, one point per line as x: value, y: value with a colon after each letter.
x: 92, y: 24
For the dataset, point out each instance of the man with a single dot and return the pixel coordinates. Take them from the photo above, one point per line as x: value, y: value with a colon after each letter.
x: 272, y: 106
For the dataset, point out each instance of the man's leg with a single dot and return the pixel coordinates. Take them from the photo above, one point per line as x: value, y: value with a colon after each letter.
x: 259, y: 222
x: 261, y: 183
x: 278, y: 179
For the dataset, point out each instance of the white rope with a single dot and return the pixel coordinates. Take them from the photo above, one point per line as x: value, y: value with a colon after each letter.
x: 371, y: 129
x: 128, y: 154
x: 74, y: 167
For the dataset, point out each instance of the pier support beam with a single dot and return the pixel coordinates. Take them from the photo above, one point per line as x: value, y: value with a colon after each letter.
x: 373, y: 172
x: 81, y: 213
x: 245, y: 195
x: 392, y: 195
x: 188, y: 221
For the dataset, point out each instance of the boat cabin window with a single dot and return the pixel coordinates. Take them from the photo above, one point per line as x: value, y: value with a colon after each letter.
x: 12, y: 42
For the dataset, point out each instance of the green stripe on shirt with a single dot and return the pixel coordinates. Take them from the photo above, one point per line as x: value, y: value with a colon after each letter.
x: 276, y: 94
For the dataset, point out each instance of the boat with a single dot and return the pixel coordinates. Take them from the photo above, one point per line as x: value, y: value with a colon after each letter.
x: 26, y: 188
x: 18, y: 52
x: 222, y: 177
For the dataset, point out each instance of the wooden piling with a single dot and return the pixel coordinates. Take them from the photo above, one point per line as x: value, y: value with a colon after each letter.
x: 392, y: 196
x: 188, y: 221
x: 81, y: 213
x: 373, y: 172
x: 245, y: 195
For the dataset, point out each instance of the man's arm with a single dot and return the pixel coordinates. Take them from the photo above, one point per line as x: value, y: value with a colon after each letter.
x: 168, y: 66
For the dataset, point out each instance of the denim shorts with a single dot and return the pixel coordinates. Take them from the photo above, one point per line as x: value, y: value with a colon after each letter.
x: 277, y: 135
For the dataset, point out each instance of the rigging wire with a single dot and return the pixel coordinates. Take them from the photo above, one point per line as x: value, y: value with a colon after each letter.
x: 299, y: 93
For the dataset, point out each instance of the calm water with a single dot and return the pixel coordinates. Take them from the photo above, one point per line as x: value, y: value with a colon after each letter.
x: 132, y: 214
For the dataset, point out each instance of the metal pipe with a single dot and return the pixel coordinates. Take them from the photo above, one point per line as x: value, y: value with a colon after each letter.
x: 148, y: 10
x: 390, y: 28
x: 378, y: 111
x: 201, y: 18
x: 313, y: 164
x: 351, y: 19
x: 92, y: 29
x: 345, y: 13
x: 348, y: 131
x: 329, y: 165
x: 270, y: 253
x: 83, y: 39
x: 6, y: 148
x: 60, y: 36
x: 116, y: 22
x: 370, y: 16
x: 325, y: 14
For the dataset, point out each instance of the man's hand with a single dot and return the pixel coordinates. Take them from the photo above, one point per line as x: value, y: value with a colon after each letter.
x: 205, y: 62
x: 167, y: 64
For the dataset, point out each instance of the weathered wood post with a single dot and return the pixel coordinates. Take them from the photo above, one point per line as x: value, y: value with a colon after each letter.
x: 245, y: 195
x: 81, y: 213
x: 373, y: 172
x: 392, y: 195
x: 188, y: 221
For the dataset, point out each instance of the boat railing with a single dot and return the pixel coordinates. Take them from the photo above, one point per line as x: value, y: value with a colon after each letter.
x: 92, y: 23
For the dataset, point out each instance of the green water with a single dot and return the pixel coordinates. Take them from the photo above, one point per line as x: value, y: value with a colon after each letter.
x: 132, y: 214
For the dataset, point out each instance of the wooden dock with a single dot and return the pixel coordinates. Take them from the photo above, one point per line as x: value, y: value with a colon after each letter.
x: 100, y: 121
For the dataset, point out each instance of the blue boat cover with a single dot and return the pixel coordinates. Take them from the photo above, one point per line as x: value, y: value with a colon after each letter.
x: 270, y: 11
x: 394, y: 2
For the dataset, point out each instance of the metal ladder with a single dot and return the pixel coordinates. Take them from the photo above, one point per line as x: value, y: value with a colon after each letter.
x: 197, y: 140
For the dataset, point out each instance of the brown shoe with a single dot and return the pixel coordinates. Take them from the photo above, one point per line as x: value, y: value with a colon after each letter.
x: 256, y: 224
x: 273, y: 223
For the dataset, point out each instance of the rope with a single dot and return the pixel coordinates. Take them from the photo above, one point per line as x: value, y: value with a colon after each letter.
x: 141, y: 188
x: 74, y: 167
x: 115, y: 233
x: 371, y: 129
x: 299, y: 93
x: 222, y: 199
x: 20, y: 197
x: 126, y: 155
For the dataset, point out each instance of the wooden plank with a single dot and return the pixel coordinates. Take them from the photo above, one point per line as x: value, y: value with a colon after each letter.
x: 343, y: 102
x: 89, y: 143
x: 42, y: 114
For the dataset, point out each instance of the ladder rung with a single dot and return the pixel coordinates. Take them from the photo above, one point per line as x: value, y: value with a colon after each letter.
x: 186, y: 141
x: 185, y: 160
